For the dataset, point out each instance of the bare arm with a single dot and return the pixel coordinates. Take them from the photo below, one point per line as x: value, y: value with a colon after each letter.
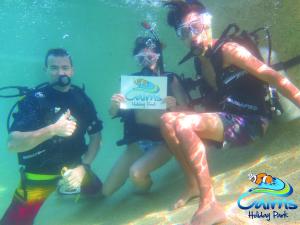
x: 238, y: 55
x: 116, y: 101
x: 93, y: 148
x: 24, y: 141
x: 180, y: 96
x: 113, y: 111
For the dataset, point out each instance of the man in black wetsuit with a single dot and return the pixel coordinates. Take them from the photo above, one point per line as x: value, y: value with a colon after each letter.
x: 48, y: 136
x: 235, y: 100
x: 146, y: 150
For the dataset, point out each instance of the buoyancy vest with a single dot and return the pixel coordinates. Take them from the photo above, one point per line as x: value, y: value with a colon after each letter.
x: 48, y: 105
x: 238, y: 92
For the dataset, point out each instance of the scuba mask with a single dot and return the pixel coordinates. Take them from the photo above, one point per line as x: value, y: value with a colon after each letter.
x: 195, y: 27
x: 147, y: 58
x: 185, y: 31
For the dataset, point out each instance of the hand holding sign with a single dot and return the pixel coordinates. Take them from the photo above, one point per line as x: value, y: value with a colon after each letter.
x: 143, y: 92
x: 170, y: 102
x: 116, y: 101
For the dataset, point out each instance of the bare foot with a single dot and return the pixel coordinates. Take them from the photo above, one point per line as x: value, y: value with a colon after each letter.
x: 209, y: 215
x: 186, y: 196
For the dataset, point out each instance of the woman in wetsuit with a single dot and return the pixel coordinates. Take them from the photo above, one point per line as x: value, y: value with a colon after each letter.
x: 146, y: 150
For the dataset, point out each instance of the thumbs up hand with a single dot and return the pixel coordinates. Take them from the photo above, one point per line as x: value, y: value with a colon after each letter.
x: 64, y: 126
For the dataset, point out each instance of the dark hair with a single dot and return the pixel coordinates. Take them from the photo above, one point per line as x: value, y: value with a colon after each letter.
x: 145, y: 42
x: 178, y: 9
x: 57, y: 52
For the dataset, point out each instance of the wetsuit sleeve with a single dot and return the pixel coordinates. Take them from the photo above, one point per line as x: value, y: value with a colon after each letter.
x: 27, y: 117
x: 94, y: 124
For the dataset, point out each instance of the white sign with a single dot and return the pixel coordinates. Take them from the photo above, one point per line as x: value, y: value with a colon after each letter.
x: 144, y: 92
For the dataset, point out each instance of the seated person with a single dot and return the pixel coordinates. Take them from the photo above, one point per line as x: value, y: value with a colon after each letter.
x: 146, y: 150
x: 238, y: 113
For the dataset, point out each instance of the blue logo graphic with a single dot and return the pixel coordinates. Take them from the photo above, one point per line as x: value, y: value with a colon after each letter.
x: 146, y: 86
x: 144, y: 93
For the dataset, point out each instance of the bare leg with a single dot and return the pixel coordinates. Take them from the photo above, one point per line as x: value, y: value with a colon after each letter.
x: 150, y: 161
x: 191, y: 190
x: 120, y: 171
x: 188, y: 130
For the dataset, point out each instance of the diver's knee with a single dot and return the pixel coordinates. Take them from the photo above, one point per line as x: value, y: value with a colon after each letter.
x: 182, y: 124
x: 141, y: 180
x: 164, y: 119
x: 136, y: 174
x: 168, y: 117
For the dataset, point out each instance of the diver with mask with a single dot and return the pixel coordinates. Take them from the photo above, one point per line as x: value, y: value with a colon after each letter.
x: 146, y: 150
x: 48, y: 134
x: 236, y: 109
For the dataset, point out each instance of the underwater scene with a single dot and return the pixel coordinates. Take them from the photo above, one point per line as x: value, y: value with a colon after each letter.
x: 154, y: 112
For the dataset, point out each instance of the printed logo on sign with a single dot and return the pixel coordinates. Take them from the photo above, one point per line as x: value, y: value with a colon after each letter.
x: 276, y: 202
x: 146, y: 86
x: 144, y: 93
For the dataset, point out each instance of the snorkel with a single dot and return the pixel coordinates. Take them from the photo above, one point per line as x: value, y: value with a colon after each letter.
x: 150, y: 28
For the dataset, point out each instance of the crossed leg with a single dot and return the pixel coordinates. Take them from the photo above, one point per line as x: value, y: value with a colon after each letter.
x: 191, y: 190
x: 184, y: 134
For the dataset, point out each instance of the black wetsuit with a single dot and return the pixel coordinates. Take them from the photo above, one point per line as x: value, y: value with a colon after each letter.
x: 43, y: 163
x: 43, y: 108
x: 134, y: 131
x: 238, y: 92
x: 239, y: 101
